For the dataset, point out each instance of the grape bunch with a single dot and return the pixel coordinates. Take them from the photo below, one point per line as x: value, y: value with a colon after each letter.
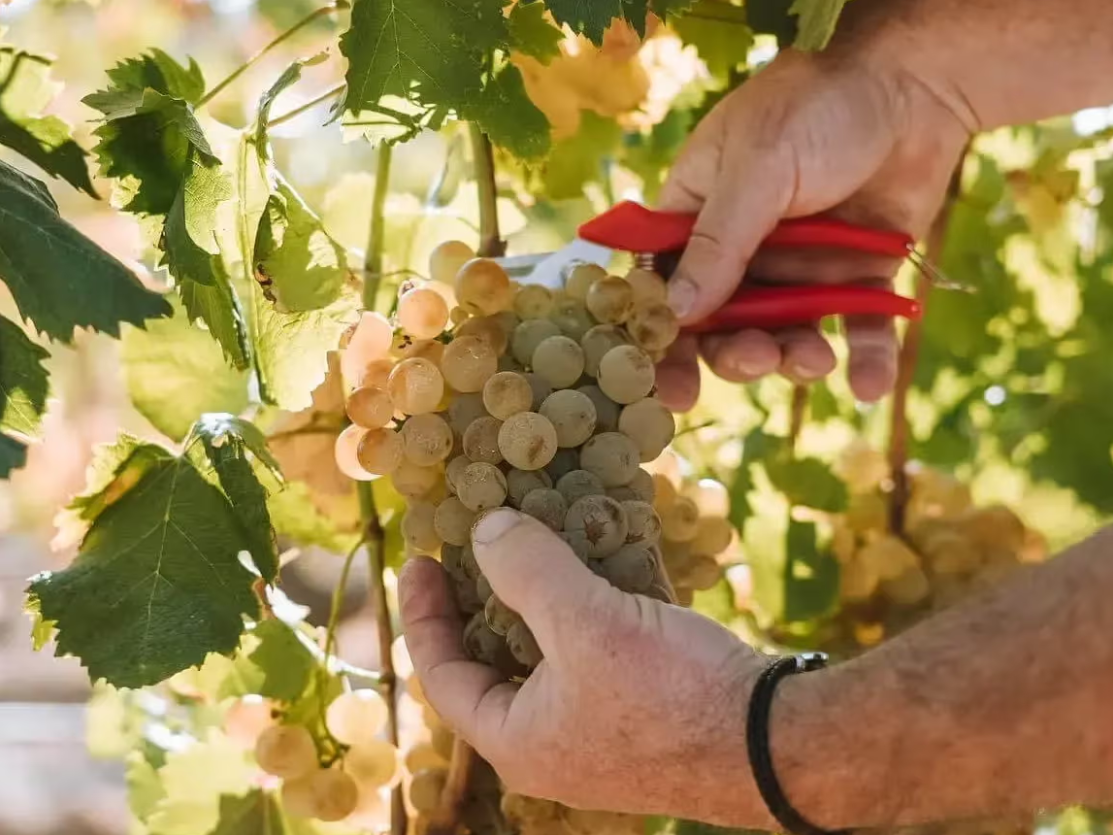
x: 949, y: 547
x: 349, y: 788
x: 484, y: 393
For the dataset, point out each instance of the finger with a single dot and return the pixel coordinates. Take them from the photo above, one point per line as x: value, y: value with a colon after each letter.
x: 678, y: 375
x: 742, y: 357
x: 872, y: 341
x: 806, y: 355
x: 470, y: 697
x: 818, y: 265
x: 535, y: 573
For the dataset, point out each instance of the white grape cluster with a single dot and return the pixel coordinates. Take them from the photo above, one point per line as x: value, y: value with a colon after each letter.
x: 484, y: 393
x: 949, y: 547
x: 349, y: 786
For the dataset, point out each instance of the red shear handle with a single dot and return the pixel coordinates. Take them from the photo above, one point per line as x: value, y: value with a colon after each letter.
x: 632, y: 227
x: 767, y: 308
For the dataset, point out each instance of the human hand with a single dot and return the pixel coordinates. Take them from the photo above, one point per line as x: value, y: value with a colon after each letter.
x: 638, y: 706
x: 851, y: 135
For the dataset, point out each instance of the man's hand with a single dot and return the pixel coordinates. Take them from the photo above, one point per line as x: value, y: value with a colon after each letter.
x: 848, y: 133
x: 638, y: 706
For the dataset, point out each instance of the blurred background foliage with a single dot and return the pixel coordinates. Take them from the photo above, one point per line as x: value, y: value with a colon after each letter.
x: 1011, y: 402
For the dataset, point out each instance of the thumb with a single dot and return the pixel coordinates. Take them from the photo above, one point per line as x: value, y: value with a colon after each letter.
x: 749, y: 197
x: 534, y: 572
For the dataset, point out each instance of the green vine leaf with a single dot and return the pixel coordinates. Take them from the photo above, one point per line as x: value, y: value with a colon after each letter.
x: 532, y: 34
x: 59, y: 278
x: 175, y: 373
x: 24, y: 381
x: 13, y: 455
x: 227, y: 440
x: 157, y: 583
x: 25, y: 90
x: 591, y: 18
x: 817, y: 21
x: 284, y: 660
x: 807, y: 481
x: 577, y: 160
x: 811, y: 576
x: 510, y: 118
x: 256, y: 813
x: 199, y: 782
x: 720, y: 33
x: 155, y: 70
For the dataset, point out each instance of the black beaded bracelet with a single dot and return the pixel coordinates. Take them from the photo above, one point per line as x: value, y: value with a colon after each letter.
x: 757, y: 741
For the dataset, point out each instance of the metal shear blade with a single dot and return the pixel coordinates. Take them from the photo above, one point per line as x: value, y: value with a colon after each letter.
x: 547, y: 268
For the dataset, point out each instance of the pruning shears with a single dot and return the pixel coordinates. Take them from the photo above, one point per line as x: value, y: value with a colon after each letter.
x: 657, y: 239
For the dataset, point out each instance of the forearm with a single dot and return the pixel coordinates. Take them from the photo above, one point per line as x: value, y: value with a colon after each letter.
x: 994, y: 62
x: 999, y: 706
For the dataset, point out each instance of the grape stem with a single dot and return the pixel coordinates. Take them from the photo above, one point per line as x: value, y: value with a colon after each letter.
x: 369, y: 514
x: 254, y: 59
x: 909, y: 355
x: 290, y: 115
x: 491, y: 244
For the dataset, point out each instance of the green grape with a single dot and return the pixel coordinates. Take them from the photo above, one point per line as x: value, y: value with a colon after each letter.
x: 422, y: 312
x: 327, y: 795
x: 540, y: 388
x: 429, y: 349
x: 579, y: 278
x: 572, y: 415
x: 611, y: 456
x: 413, y: 481
x: 654, y: 326
x: 603, y: 522
x: 286, y: 751
x: 643, y: 486
x: 369, y: 341
x: 645, y: 524
x: 610, y: 300
x: 597, y: 342
x: 701, y: 573
x: 419, y: 529
x: 508, y: 363
x: 519, y: 483
x: 527, y: 440
x: 346, y: 453
x: 579, y: 483
x: 563, y: 463
x: 632, y: 568
x: 713, y: 536
x: 452, y: 521
x: 650, y: 425
x: 506, y: 394
x: 481, y: 486
x: 528, y: 335
x: 415, y: 386
x: 427, y: 439
x: 483, y: 287
x: 372, y: 764
x: 578, y: 542
x: 443, y: 741
x: 710, y: 496
x: 626, y: 374
x: 426, y: 789
x: 680, y: 521
x: 483, y: 588
x: 664, y: 492
x: 380, y: 451
x: 423, y: 756
x: 481, y: 440
x: 547, y: 506
x: 572, y: 318
x: 455, y: 560
x: 606, y: 410
x: 648, y: 286
x: 499, y: 616
x: 454, y: 470
x: 480, y: 642
x: 622, y: 494
x: 357, y: 716
x: 370, y: 407
x: 533, y: 302
x: 463, y: 591
x: 523, y: 645
x: 446, y: 259
x: 559, y: 361
x: 468, y: 363
x: 490, y: 330
x: 463, y: 410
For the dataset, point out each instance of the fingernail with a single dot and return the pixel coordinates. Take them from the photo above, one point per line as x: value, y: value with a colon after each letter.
x: 749, y: 366
x: 494, y: 525
x: 682, y: 295
x: 802, y: 372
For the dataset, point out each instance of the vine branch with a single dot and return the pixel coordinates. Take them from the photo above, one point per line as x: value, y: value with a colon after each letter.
x: 289, y: 115
x: 909, y: 354
x: 369, y: 513
x: 491, y: 244
x: 254, y: 59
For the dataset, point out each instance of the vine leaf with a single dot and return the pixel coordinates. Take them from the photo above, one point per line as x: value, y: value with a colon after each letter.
x: 807, y: 481
x: 24, y: 386
x: 145, y: 599
x: 576, y: 161
x: 256, y: 813
x: 198, y: 782
x: 155, y: 70
x: 816, y: 22
x: 13, y: 455
x: 510, y: 118
x: 532, y: 34
x: 192, y: 256
x: 285, y: 661
x: 591, y: 18
x: 175, y: 373
x: 811, y: 576
x: 25, y: 90
x: 719, y: 32
x: 227, y: 440
x: 59, y: 278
